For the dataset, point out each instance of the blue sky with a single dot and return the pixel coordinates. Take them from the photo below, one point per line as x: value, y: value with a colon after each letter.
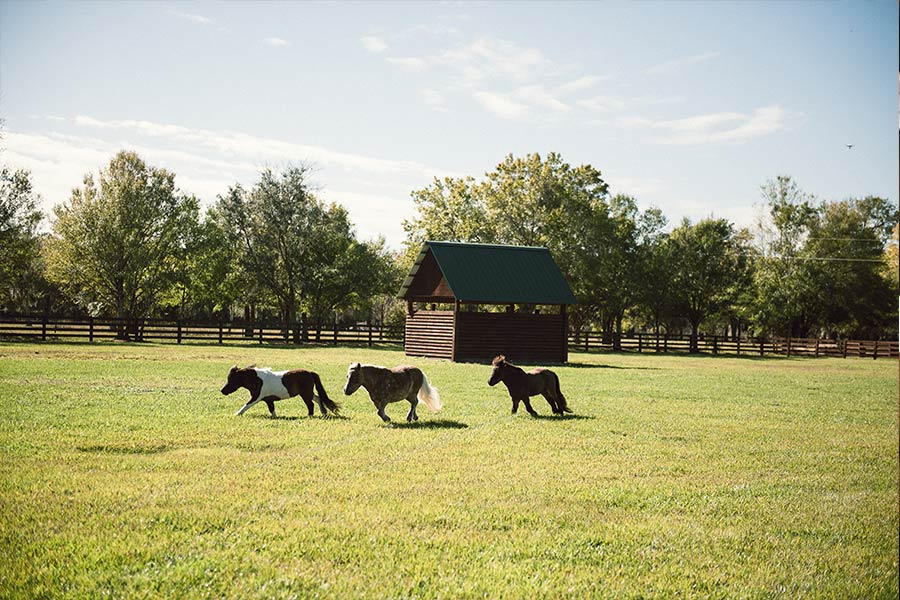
x: 687, y: 106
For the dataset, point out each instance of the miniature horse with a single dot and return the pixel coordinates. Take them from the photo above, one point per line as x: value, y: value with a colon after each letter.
x: 268, y: 386
x: 392, y: 385
x: 522, y: 385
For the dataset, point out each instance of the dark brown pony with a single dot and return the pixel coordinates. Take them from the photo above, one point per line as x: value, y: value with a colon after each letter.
x: 522, y: 386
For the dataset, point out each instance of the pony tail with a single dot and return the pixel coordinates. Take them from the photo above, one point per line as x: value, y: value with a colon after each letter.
x: 326, y: 401
x: 429, y: 395
x: 560, y: 399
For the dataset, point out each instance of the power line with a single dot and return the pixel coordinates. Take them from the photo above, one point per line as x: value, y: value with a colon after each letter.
x: 826, y: 258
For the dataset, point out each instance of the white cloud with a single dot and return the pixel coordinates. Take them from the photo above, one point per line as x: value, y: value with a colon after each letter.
x: 276, y: 42
x: 676, y: 65
x: 207, y: 162
x: 502, y: 105
x: 714, y: 127
x: 194, y: 18
x: 410, y: 63
x: 581, y: 84
x: 602, y: 103
x: 538, y: 97
x: 435, y: 100
x: 373, y: 44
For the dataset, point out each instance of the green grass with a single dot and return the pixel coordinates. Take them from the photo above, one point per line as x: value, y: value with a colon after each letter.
x: 123, y: 473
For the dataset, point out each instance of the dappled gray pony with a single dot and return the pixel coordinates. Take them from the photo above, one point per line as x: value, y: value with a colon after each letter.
x: 268, y: 386
x: 392, y: 385
x: 522, y: 385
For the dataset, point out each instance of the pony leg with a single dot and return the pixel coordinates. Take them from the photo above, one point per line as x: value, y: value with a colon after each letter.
x: 271, y: 405
x: 530, y: 410
x: 246, y: 407
x: 552, y: 402
x: 413, y: 402
x: 310, y: 407
x: 515, y: 408
x: 381, y: 413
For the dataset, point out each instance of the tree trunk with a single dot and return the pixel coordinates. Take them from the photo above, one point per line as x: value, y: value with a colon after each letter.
x: 695, y: 344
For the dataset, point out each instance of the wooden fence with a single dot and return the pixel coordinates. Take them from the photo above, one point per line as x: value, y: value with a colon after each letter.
x: 161, y: 330
x: 665, y: 343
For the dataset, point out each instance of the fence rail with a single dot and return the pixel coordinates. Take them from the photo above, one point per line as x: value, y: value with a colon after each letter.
x: 759, y: 346
x: 162, y: 330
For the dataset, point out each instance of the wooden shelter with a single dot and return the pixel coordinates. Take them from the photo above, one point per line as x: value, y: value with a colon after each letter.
x: 466, y: 275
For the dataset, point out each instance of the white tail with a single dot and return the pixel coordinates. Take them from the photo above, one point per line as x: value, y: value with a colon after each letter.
x: 429, y: 395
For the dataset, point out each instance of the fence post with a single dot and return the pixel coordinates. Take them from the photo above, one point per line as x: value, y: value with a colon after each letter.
x: 220, y: 331
x: 666, y: 342
x: 817, y: 347
x: 44, y: 328
x: 179, y: 331
x: 762, y: 346
x: 91, y: 330
x: 369, y: 327
x: 640, y: 343
x: 844, y: 348
x: 875, y: 352
x: 586, y: 342
x: 739, y: 345
x: 715, y: 344
x: 789, y: 348
x: 260, y: 332
x: 335, y: 329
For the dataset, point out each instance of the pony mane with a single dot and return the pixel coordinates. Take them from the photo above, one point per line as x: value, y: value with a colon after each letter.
x: 498, y: 360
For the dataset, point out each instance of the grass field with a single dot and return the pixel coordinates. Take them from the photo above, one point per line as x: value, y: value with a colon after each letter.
x: 124, y: 473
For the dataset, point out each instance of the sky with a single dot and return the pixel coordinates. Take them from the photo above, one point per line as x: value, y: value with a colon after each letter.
x: 688, y: 107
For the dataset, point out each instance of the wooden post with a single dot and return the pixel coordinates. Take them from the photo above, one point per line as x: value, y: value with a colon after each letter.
x: 44, y: 329
x: 844, y: 348
x: 455, y: 330
x: 875, y: 352
x: 666, y: 342
x: 369, y: 327
x: 565, y: 332
x: 640, y: 343
x: 587, y: 344
x: 817, y: 347
x: 335, y: 329
x: 91, y: 330
x: 260, y: 332
x: 789, y: 347
x: 762, y: 346
x: 657, y: 340
x: 739, y: 345
x: 179, y: 331
x: 220, y: 331
x: 715, y: 344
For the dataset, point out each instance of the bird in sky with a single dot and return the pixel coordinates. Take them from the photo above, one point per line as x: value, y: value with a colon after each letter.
x: 849, y: 146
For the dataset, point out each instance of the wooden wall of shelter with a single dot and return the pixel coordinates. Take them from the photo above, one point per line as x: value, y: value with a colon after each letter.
x: 457, y: 273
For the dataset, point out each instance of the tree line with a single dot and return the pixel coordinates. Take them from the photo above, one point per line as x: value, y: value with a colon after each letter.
x: 128, y: 243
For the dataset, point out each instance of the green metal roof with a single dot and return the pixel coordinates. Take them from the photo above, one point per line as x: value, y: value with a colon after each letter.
x: 496, y: 274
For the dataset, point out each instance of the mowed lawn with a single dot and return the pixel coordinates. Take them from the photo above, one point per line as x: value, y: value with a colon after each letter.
x: 124, y: 473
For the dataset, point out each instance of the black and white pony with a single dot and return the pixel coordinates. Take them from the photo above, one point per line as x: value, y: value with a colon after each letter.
x: 266, y: 385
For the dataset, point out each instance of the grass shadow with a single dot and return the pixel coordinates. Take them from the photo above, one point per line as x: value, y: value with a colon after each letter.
x: 565, y: 417
x: 124, y: 448
x: 442, y: 424
x: 575, y: 365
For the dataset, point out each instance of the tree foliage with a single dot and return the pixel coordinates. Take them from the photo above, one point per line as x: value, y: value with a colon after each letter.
x: 20, y: 269
x: 119, y: 236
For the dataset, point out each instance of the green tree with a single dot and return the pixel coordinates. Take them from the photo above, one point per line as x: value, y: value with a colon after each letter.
x: 819, y: 268
x: 20, y: 269
x: 117, y: 240
x: 707, y: 259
